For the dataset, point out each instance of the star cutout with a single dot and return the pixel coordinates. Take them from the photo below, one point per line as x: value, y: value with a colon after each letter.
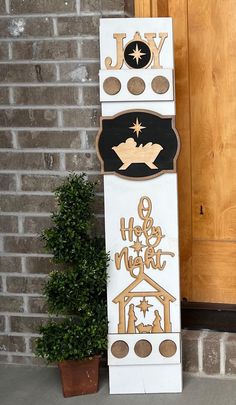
x: 144, y: 306
x: 138, y: 246
x: 137, y: 54
x: 137, y: 127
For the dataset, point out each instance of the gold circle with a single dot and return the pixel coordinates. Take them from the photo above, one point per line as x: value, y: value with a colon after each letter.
x: 136, y: 86
x: 143, y: 348
x: 160, y: 84
x: 120, y: 349
x: 167, y: 348
x: 111, y: 85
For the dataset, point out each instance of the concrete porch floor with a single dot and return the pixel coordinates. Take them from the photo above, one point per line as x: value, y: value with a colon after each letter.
x: 24, y: 385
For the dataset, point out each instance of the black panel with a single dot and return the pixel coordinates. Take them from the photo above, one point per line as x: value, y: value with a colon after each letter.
x: 157, y: 131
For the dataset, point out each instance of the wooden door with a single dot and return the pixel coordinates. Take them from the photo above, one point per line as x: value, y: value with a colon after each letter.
x: 205, y: 63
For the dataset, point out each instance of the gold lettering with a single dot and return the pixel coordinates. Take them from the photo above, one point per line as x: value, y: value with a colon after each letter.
x: 154, y: 49
x: 153, y: 235
x: 119, y: 53
x: 129, y: 262
x: 130, y: 229
x: 142, y: 209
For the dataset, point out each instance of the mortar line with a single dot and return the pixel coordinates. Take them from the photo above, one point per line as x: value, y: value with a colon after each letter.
x: 23, y: 265
x: 90, y: 172
x: 48, y: 61
x: 7, y: 324
x: 48, y: 150
x: 77, y: 5
x: 223, y: 353
x: 28, y: 334
x: 20, y: 227
x: 11, y: 95
x: 16, y: 254
x: 48, y: 107
x: 4, y: 283
x: 47, y: 38
x: 7, y: 5
x: 14, y: 140
x: 51, y: 84
x: 54, y: 23
x: 9, y: 52
x: 62, y: 161
x: 64, y: 14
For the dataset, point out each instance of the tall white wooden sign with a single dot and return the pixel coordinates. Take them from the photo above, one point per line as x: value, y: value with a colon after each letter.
x: 138, y: 146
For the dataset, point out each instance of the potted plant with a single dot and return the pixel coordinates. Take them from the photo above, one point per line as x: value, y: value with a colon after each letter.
x: 75, y: 292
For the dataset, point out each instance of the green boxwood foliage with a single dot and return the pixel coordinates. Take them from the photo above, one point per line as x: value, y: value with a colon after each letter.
x: 78, y: 291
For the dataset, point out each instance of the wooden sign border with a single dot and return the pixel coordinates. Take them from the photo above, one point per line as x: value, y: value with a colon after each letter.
x: 172, y: 117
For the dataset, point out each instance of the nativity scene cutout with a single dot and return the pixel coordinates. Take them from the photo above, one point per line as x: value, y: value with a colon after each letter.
x: 137, y: 144
x: 143, y: 294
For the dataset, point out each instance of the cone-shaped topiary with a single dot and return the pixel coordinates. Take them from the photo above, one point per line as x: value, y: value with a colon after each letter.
x: 78, y: 290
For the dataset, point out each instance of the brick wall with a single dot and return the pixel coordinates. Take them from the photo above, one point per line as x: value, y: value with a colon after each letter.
x: 49, y: 110
x: 209, y: 354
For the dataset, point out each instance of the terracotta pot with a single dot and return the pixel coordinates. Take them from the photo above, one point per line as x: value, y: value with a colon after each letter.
x: 79, y: 377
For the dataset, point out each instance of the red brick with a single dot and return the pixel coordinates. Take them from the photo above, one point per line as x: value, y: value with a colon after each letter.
x: 26, y: 324
x: 26, y: 73
x: 37, y: 305
x: 7, y: 182
x: 190, y: 350
x: 98, y: 178
x: 48, y: 50
x: 84, y: 25
x: 3, y: 51
x: 37, y: 182
x: 27, y: 203
x: 98, y: 206
x: 90, y: 139
x: 12, y: 343
x: 11, y: 304
x: 5, y: 139
x: 81, y: 117
x: 2, y: 7
x: 4, y: 96
x: 89, y: 49
x: 29, y: 161
x: 8, y: 224
x: 42, y: 6
x: 23, y: 244
x: 2, y: 323
x: 91, y: 95
x: 211, y: 353
x: 46, y: 95
x: 49, y: 139
x: 4, y: 358
x: 39, y: 265
x: 10, y: 264
x: 230, y: 355
x: 79, y: 72
x: 26, y: 27
x: 28, y: 118
x: 36, y: 224
x: 82, y: 162
x: 25, y: 285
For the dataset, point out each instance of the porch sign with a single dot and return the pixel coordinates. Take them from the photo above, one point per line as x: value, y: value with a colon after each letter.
x: 138, y: 145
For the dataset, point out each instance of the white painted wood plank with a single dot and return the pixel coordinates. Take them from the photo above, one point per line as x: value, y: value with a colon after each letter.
x: 147, y: 75
x: 141, y: 379
x: 155, y: 356
x: 121, y: 200
x: 109, y: 26
x: 160, y: 107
